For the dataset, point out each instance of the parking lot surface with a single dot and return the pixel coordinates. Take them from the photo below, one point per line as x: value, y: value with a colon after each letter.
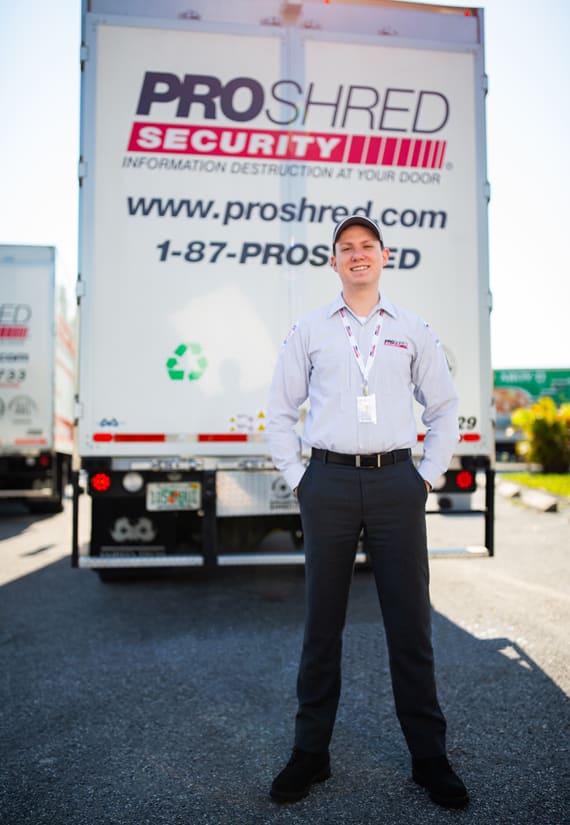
x: 170, y: 700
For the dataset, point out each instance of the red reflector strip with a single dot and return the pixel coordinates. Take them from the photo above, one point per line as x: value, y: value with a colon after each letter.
x: 463, y: 437
x: 30, y: 441
x: 122, y: 437
x: 222, y: 437
x: 129, y: 438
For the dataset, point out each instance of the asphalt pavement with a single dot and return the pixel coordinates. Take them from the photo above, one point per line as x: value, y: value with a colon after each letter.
x: 170, y: 700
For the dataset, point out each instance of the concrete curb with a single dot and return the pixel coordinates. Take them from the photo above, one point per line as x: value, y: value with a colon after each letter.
x: 537, y: 499
x: 508, y: 489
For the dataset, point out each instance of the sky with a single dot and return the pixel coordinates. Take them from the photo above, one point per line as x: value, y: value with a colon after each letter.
x: 528, y: 123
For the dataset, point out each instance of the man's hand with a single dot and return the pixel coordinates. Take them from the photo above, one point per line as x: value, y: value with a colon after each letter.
x: 428, y: 486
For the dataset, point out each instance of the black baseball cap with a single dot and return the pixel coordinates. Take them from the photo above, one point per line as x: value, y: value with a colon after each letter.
x: 361, y: 220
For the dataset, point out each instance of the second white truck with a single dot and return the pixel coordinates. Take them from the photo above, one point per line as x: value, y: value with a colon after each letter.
x: 218, y: 149
x: 37, y: 379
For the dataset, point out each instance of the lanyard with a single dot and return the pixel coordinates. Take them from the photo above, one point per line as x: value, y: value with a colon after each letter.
x: 364, y: 368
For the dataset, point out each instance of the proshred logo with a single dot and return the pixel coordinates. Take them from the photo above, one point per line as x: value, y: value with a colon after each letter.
x: 408, y: 118
x: 22, y: 408
x: 14, y: 319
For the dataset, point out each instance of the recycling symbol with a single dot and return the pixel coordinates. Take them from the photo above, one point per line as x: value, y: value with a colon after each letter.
x: 188, y: 360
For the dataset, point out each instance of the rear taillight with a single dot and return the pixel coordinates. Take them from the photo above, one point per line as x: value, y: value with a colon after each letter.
x: 456, y: 481
x: 465, y: 480
x: 100, y: 482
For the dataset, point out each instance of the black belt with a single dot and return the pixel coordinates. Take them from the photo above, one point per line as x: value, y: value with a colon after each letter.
x: 374, y: 460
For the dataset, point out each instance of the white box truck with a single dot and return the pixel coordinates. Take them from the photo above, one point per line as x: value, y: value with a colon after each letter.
x: 219, y: 146
x: 37, y: 379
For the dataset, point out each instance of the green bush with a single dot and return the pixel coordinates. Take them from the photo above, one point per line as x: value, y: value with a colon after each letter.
x: 547, y: 435
x: 556, y: 483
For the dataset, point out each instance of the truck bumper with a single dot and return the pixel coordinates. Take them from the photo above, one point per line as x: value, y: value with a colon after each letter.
x: 186, y: 518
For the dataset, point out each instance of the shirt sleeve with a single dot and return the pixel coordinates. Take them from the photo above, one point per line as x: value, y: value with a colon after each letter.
x: 434, y: 389
x: 289, y: 389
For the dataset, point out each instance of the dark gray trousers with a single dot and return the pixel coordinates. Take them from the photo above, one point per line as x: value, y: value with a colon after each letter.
x: 336, y: 502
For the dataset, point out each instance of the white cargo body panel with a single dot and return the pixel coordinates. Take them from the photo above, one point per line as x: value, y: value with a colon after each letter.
x: 37, y: 379
x: 27, y: 340
x: 207, y: 229
x: 183, y: 338
x: 219, y: 147
x: 426, y: 184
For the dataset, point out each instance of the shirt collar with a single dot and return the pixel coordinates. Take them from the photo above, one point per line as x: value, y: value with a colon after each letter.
x: 383, y: 303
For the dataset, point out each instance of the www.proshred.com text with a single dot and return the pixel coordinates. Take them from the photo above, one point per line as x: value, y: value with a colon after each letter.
x: 302, y: 211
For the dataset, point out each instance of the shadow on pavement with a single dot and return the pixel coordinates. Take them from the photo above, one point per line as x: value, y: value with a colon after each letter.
x: 15, y: 518
x: 171, y: 700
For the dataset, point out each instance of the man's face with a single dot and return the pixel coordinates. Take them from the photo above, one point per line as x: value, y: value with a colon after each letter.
x: 359, y: 258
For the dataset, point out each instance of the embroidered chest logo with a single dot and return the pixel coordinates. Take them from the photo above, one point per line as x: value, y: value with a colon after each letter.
x: 392, y: 342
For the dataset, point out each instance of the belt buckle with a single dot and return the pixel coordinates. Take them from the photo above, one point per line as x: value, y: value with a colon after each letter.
x: 368, y: 465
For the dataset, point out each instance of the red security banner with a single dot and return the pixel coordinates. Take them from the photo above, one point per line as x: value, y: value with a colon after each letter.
x: 313, y: 147
x: 14, y: 332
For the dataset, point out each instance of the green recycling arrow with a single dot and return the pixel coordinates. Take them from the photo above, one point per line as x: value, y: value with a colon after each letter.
x: 198, y: 360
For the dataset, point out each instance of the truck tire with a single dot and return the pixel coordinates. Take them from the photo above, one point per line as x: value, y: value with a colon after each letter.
x: 46, y: 507
x: 54, y: 504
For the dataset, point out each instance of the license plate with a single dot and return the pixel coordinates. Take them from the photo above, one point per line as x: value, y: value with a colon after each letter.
x: 182, y: 495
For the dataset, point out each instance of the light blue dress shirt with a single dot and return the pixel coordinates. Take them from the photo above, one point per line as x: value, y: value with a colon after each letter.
x: 316, y: 363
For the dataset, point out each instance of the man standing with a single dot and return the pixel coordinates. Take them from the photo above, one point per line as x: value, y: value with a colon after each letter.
x: 360, y: 361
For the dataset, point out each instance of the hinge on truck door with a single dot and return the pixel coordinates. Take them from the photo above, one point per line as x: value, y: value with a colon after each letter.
x: 77, y: 409
x: 79, y: 289
x: 81, y: 171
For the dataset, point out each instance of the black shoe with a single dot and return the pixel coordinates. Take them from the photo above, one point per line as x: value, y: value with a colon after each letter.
x: 295, y: 780
x: 442, y: 783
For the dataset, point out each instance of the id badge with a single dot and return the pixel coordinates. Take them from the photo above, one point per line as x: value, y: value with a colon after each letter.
x: 366, y: 406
